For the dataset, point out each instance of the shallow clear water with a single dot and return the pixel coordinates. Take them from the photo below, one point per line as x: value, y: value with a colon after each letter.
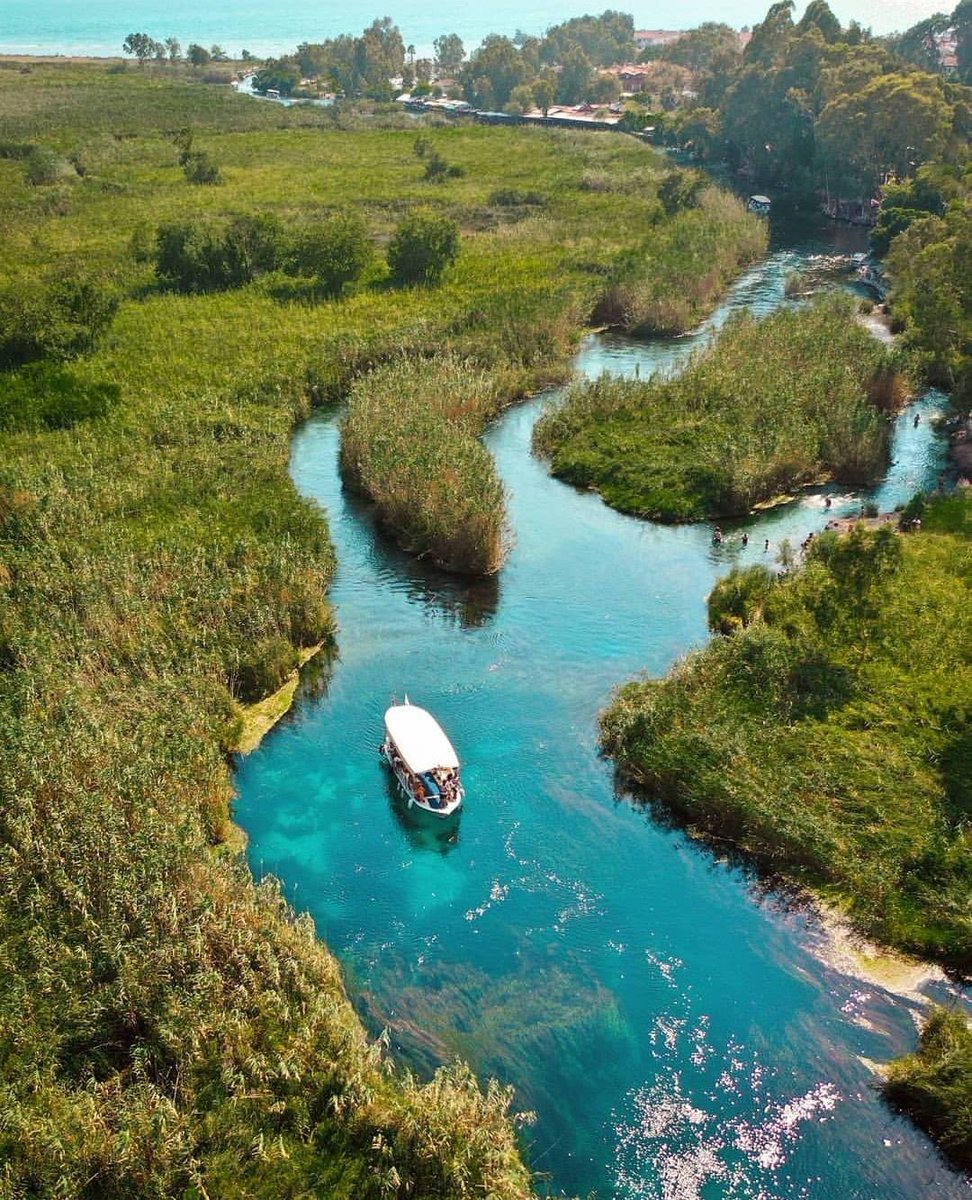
x: 100, y: 26
x: 669, y: 1023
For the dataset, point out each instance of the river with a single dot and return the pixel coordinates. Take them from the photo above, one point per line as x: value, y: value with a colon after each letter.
x: 673, y: 1026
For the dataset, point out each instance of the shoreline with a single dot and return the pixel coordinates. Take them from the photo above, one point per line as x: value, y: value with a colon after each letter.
x: 260, y: 717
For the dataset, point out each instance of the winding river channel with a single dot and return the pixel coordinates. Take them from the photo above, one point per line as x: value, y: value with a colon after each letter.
x: 679, y: 1032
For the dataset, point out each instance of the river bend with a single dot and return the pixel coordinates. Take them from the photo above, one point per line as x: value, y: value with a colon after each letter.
x: 673, y: 1027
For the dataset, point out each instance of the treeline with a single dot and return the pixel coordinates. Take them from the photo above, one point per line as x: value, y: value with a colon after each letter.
x: 563, y: 66
x: 927, y: 225
x: 144, y: 47
x: 810, y: 108
x: 773, y: 405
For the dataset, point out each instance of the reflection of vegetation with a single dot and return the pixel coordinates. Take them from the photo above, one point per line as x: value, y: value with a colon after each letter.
x: 772, y: 405
x: 829, y: 737
x: 934, y: 1086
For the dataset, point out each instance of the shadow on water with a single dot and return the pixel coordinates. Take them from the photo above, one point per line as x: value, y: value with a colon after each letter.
x: 468, y: 602
x: 423, y: 831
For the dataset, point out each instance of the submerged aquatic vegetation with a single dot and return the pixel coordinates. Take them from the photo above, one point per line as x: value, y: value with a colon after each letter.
x: 772, y: 405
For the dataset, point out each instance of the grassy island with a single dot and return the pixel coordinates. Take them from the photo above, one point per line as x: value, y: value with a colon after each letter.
x: 774, y: 404
x: 168, y: 309
x: 828, y: 738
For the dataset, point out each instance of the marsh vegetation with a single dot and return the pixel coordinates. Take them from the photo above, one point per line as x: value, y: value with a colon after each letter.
x: 821, y: 736
x: 798, y: 397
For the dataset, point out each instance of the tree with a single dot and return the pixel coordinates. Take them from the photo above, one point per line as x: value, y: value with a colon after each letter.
x: 543, y: 94
x: 892, y: 124
x: 280, y: 75
x: 962, y: 24
x: 218, y: 54
x: 198, y: 55
x: 771, y: 35
x: 449, y: 53
x: 604, y: 88
x: 140, y: 46
x: 422, y: 247
x: 500, y: 64
x: 173, y: 49
x: 918, y: 45
x: 819, y: 16
x: 336, y: 252
x: 521, y: 99
x: 381, y: 53
x: 605, y: 40
x: 575, y: 77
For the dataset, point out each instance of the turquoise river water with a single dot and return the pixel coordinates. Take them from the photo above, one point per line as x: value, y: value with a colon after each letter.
x: 676, y: 1029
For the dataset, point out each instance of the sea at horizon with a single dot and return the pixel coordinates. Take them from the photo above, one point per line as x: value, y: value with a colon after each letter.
x: 98, y: 27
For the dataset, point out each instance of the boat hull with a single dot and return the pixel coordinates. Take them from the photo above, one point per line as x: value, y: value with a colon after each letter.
x: 444, y: 808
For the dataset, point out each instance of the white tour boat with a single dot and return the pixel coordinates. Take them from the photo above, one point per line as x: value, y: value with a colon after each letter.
x: 422, y: 757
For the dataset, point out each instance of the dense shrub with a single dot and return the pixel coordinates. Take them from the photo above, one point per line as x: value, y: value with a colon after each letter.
x: 422, y: 247
x: 196, y: 256
x: 59, y: 320
x: 43, y: 166
x: 336, y: 252
x: 514, y: 197
x: 199, y: 167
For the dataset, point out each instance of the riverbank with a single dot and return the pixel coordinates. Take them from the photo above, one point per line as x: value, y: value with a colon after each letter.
x: 821, y: 739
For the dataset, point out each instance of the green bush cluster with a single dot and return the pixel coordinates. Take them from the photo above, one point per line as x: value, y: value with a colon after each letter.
x: 410, y: 443
x: 56, y: 319
x: 773, y: 405
x: 197, y: 256
x: 422, y: 247
x: 829, y: 738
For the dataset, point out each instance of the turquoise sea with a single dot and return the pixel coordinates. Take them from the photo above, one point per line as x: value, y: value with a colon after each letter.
x: 100, y: 26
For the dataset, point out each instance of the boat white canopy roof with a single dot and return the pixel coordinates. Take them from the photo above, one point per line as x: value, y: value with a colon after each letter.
x: 419, y: 739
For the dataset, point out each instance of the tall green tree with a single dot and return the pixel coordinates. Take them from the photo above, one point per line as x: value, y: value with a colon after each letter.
x: 449, y: 53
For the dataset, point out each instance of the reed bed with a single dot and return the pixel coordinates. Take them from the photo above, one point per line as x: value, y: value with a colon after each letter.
x: 774, y: 404
x: 168, y: 1027
x: 410, y: 443
x: 822, y: 739
x: 934, y: 1085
